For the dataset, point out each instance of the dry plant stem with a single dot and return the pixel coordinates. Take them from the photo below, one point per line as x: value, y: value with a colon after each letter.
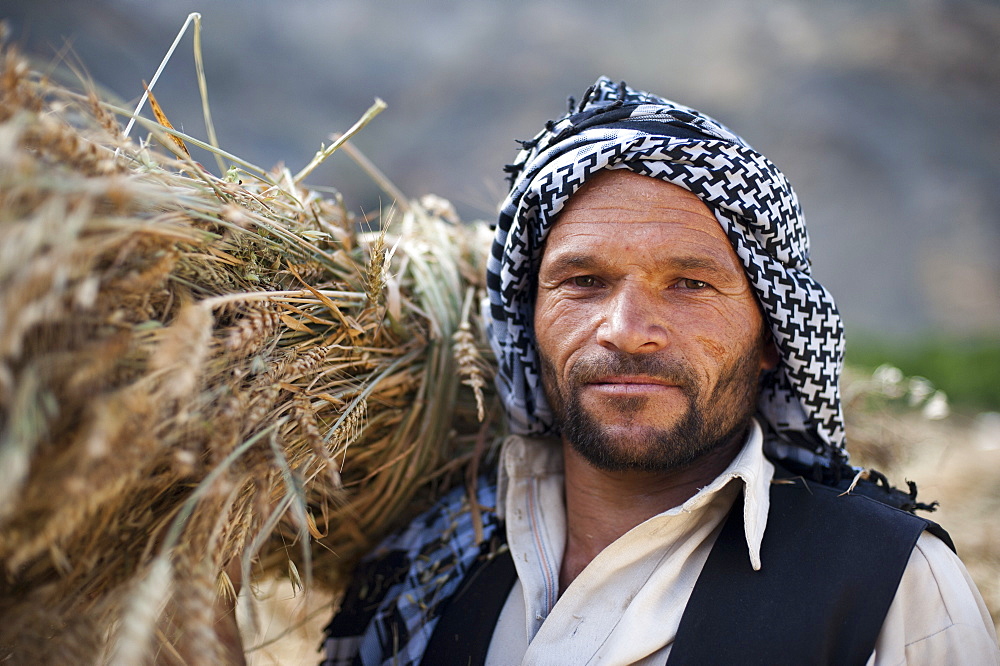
x: 193, y: 17
x: 199, y: 65
x: 194, y: 380
x: 324, y: 153
x: 153, y: 126
x: 374, y: 173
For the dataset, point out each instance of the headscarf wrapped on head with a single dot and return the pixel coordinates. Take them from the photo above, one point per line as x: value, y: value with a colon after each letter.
x: 616, y: 127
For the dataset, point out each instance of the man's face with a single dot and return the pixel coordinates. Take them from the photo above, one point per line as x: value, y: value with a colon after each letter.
x: 650, y: 338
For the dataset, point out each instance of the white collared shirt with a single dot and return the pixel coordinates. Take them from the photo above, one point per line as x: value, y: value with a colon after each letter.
x: 626, y: 605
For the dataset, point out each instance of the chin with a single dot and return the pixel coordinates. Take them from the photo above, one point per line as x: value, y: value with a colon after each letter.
x: 634, y: 445
x: 631, y: 447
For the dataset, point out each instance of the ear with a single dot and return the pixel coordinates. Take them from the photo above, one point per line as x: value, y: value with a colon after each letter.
x: 770, y: 356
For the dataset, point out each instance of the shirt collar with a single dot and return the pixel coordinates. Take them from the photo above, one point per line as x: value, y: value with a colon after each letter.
x: 755, y: 470
x: 539, y: 457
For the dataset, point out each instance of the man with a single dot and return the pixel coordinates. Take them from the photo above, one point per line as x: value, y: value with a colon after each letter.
x: 677, y: 490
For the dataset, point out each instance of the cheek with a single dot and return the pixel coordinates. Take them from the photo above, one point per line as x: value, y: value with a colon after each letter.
x: 713, y: 347
x: 731, y: 334
x: 559, y: 330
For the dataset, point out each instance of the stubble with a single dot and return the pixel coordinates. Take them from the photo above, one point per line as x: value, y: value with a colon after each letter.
x: 711, y: 420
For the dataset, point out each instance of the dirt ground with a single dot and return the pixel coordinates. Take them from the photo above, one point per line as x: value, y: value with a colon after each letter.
x: 955, y: 461
x: 288, y: 627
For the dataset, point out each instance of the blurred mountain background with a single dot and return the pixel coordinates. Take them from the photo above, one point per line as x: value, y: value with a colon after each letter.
x: 883, y: 115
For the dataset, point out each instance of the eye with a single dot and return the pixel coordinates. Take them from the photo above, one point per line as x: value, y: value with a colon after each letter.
x: 583, y: 281
x: 688, y: 283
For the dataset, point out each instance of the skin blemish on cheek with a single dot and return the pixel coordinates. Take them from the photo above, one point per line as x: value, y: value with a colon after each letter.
x: 713, y: 347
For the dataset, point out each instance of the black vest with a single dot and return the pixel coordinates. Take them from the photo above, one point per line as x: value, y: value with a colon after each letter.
x: 831, y: 563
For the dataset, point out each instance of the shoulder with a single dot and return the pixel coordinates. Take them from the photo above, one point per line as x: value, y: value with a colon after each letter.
x: 937, y: 613
x: 811, y: 505
x: 854, y: 506
x: 392, y: 602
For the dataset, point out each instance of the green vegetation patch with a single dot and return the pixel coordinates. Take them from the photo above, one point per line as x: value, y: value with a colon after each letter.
x: 967, y: 370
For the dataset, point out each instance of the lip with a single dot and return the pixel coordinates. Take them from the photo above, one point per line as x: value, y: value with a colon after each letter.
x: 630, y: 384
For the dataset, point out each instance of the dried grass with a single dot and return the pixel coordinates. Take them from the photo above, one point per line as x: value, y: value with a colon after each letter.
x: 902, y: 427
x: 200, y: 377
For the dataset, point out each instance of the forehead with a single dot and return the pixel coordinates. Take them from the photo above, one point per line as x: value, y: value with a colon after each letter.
x: 620, y: 205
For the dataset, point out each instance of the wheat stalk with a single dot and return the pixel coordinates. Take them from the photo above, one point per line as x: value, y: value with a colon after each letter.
x: 199, y: 376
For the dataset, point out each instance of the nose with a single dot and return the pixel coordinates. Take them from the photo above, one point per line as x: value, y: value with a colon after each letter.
x: 633, y: 322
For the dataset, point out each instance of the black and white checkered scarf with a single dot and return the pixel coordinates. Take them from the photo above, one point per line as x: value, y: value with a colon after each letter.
x: 616, y: 127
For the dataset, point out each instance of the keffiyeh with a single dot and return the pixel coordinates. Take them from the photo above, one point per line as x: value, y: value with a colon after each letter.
x: 616, y: 127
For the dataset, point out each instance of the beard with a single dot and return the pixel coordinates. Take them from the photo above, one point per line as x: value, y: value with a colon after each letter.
x: 712, y: 419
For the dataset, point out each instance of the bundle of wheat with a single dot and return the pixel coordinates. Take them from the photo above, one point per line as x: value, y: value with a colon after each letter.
x: 203, y: 379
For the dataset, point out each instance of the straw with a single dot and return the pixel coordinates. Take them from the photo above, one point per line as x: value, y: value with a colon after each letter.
x: 201, y: 377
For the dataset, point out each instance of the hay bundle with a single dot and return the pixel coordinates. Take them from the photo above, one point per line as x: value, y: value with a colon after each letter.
x: 202, y: 380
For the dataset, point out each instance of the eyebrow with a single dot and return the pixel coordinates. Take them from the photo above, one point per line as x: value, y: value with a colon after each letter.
x: 570, y: 261
x: 689, y: 263
x: 696, y: 263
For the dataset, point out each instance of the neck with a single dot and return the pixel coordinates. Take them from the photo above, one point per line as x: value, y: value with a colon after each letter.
x: 601, y: 506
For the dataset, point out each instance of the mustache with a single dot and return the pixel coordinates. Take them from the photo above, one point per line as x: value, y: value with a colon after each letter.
x: 670, y: 370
